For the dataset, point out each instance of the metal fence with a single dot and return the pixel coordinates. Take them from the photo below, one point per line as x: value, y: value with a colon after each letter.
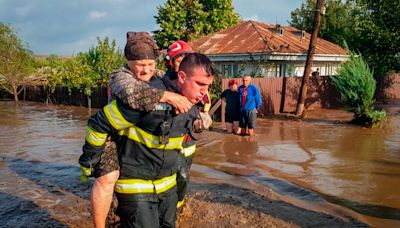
x: 61, y: 95
x: 388, y: 87
x: 279, y: 95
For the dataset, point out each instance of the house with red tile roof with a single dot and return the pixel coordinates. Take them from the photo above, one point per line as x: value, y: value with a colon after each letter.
x: 268, y: 50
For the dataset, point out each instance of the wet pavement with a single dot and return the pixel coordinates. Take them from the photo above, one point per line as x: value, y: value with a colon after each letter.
x: 315, y: 162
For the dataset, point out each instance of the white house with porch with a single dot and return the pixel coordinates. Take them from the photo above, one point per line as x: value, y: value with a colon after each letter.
x: 268, y: 50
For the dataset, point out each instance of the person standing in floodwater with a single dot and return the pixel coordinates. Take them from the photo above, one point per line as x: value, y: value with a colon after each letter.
x: 250, y: 103
x: 146, y: 189
x: 127, y: 84
x: 176, y: 52
x: 231, y: 97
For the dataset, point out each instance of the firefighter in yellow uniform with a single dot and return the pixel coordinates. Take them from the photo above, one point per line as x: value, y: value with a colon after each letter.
x: 149, y: 144
x: 176, y: 52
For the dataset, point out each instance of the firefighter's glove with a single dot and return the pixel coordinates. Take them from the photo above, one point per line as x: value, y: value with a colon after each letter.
x: 86, y: 172
x: 89, y: 159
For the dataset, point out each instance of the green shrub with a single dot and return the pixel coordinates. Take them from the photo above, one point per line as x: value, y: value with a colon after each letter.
x: 356, y: 86
x: 103, y: 59
x: 215, y: 89
x: 84, y: 71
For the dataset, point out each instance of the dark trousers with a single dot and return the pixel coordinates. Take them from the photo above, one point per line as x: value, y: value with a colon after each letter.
x: 148, y: 214
x: 182, y: 178
x: 248, y: 118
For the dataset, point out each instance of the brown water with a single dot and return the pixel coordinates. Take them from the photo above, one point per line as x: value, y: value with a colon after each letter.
x: 317, y: 161
x: 39, y: 148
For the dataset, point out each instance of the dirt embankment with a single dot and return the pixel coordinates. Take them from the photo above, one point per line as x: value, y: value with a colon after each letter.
x: 213, y: 204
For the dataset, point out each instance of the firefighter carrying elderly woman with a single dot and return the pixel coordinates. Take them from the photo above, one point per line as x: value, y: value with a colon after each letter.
x: 148, y: 131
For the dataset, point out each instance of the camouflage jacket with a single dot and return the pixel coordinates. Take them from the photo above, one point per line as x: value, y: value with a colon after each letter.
x: 137, y: 94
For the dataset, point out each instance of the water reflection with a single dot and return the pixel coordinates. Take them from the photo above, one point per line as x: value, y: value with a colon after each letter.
x: 20, y: 212
x: 38, y: 132
x: 313, y: 160
x: 352, y: 166
x: 233, y: 155
x: 39, y: 148
x: 367, y: 209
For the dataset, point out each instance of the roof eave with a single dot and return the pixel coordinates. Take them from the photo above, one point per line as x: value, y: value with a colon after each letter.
x: 276, y: 56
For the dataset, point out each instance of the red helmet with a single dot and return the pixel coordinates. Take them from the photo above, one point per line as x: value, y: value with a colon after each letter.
x: 176, y: 49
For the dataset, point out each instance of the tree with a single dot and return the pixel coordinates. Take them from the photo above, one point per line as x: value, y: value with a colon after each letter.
x: 377, y: 35
x: 310, y: 56
x: 190, y: 19
x: 16, y: 61
x: 356, y: 85
x: 337, y: 24
x: 104, y: 58
x: 51, y: 70
x: 370, y: 27
x: 179, y: 19
x: 220, y: 15
x: 85, y: 70
x: 302, y: 18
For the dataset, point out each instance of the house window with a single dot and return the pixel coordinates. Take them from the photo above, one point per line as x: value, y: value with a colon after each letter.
x: 235, y: 70
x: 229, y: 70
x: 270, y: 71
x: 281, y: 31
x: 282, y: 70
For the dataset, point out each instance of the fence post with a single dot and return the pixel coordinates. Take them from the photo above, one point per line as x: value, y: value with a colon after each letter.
x: 283, y: 95
x: 46, y: 91
x: 89, y: 103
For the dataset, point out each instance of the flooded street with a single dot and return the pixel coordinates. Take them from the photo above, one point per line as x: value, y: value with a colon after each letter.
x: 39, y: 147
x: 314, y: 163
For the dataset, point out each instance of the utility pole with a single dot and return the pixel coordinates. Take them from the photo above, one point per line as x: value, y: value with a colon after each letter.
x: 310, y: 55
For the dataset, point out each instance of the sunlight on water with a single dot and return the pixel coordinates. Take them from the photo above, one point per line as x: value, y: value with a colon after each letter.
x: 312, y: 160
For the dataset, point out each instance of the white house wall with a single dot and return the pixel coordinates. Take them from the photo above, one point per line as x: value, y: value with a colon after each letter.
x: 324, y: 68
x: 327, y: 64
x: 275, y: 56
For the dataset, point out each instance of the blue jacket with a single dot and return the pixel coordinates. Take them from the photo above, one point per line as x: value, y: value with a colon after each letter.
x: 253, y: 100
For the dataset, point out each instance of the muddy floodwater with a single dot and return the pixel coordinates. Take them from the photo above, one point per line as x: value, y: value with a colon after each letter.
x: 320, y: 163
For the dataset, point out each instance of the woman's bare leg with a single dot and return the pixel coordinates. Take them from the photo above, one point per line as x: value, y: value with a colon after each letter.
x: 101, y: 197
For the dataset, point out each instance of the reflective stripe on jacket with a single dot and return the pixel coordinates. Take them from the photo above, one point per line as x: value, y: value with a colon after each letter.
x: 149, y: 142
x: 189, y: 150
x: 135, y: 186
